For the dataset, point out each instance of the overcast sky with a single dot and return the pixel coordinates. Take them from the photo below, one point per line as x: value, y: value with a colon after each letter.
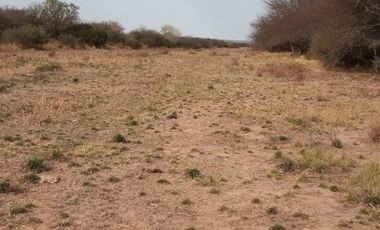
x: 224, y: 19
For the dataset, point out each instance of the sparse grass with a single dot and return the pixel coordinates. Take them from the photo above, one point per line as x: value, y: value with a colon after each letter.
x: 374, y: 129
x: 320, y: 161
x: 366, y: 182
x: 193, y: 173
x: 6, y: 84
x: 272, y: 211
x: 131, y: 121
x: 49, y: 67
x: 337, y: 143
x: 56, y: 154
x: 17, y: 209
x: 286, y: 71
x: 114, y: 179
x: 226, y: 209
x: 236, y: 112
x: 163, y: 181
x: 245, y: 129
x: 32, y: 178
x: 36, y: 164
x: 214, y: 191
x: 187, y: 202
x: 277, y: 227
x: 256, y: 201
x: 334, y: 188
x: 287, y: 164
x: 301, y: 215
x: 173, y: 115
x: 5, y: 186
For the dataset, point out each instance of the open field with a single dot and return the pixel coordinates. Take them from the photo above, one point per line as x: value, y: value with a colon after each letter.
x: 182, y: 139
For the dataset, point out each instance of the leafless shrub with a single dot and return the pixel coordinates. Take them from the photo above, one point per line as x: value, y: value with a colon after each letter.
x: 341, y: 32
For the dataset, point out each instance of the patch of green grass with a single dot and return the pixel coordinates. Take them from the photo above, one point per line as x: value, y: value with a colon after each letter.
x: 277, y: 227
x: 36, y: 164
x: 5, y: 186
x: 56, y: 154
x: 118, y: 138
x: 245, y: 129
x: 32, y: 178
x: 193, y: 173
x: 49, y: 67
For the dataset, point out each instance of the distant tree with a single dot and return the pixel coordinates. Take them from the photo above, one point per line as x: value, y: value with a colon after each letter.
x: 11, y: 18
x: 115, y: 32
x: 28, y: 36
x: 170, y: 31
x: 54, y: 15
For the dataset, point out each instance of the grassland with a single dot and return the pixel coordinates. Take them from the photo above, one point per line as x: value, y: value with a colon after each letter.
x: 183, y: 139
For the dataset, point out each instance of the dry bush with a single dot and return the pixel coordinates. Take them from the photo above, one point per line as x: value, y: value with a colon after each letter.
x: 340, y: 32
x: 374, y: 129
x: 295, y: 71
x: 367, y: 184
x: 319, y: 161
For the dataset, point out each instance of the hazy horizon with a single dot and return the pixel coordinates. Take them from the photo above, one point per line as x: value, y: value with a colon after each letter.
x: 219, y: 19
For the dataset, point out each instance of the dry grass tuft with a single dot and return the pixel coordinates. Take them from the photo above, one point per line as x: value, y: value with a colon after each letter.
x: 367, y: 184
x: 320, y: 161
x: 374, y: 129
x: 294, y: 71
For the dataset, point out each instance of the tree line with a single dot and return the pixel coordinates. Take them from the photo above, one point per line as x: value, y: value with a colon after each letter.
x: 340, y: 32
x: 37, y: 24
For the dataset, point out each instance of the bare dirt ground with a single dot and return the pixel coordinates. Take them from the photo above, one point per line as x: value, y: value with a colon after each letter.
x: 242, y: 120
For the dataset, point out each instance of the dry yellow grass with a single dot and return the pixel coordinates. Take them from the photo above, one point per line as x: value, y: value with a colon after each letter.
x: 219, y: 112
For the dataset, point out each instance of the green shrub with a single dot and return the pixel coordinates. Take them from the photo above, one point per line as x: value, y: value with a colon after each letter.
x: 149, y: 38
x: 114, y: 31
x: 133, y: 43
x: 32, y: 178
x: 88, y: 34
x: 27, y: 36
x: 119, y: 138
x: 193, y: 173
x: 277, y: 227
x: 36, y: 164
x: 70, y: 41
x: 5, y: 186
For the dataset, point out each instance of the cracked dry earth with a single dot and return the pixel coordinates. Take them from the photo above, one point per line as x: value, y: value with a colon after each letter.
x: 218, y: 111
